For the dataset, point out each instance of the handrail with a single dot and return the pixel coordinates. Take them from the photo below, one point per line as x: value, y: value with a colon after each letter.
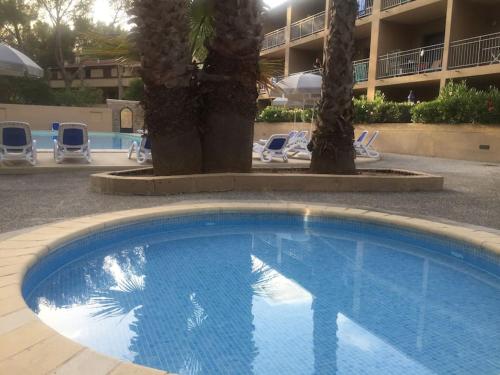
x: 360, y: 70
x: 308, y: 26
x: 386, y: 4
x: 365, y: 8
x: 475, y: 51
x: 415, y: 61
x: 274, y: 39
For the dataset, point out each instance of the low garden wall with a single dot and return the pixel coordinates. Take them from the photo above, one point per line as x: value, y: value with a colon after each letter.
x: 463, y: 142
x: 41, y: 117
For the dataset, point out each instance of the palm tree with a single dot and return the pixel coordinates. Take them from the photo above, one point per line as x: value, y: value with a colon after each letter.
x: 332, y: 142
x: 162, y: 37
x: 229, y: 85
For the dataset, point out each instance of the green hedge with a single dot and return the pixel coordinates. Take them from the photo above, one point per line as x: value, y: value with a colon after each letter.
x: 458, y: 104
x: 377, y: 111
x: 381, y: 111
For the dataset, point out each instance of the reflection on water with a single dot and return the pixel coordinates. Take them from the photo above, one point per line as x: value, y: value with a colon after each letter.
x: 277, y: 300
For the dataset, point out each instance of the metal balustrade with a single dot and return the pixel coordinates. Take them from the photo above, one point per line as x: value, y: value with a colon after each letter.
x: 308, y: 26
x: 386, y: 4
x: 480, y: 50
x: 360, y: 70
x: 365, y: 8
x: 274, y: 39
x: 416, y: 61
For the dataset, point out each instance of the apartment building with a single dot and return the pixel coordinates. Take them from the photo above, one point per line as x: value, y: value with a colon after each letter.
x: 400, y: 45
x: 108, y: 75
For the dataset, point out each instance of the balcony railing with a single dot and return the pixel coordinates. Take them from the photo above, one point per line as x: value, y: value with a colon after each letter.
x: 360, y: 70
x: 365, y: 8
x: 480, y: 50
x: 416, y: 61
x: 274, y: 39
x: 308, y: 26
x: 386, y: 4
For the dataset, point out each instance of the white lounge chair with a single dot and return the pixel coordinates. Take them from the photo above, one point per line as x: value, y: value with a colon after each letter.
x: 367, y: 149
x: 275, y: 147
x: 142, y: 151
x: 298, y: 144
x: 291, y: 136
x: 16, y: 142
x: 72, y: 142
x: 361, y: 139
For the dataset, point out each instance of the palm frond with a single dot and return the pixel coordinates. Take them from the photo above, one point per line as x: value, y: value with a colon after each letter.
x: 268, y: 69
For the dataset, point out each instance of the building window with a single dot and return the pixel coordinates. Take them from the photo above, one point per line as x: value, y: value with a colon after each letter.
x: 96, y: 73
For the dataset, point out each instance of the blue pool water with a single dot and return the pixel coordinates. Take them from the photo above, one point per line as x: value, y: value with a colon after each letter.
x: 274, y: 294
x: 98, y: 141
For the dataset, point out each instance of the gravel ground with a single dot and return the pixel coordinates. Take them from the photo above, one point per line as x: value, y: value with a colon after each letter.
x: 471, y: 195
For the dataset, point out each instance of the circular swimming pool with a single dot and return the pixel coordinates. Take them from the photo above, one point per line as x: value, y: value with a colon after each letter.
x: 262, y: 293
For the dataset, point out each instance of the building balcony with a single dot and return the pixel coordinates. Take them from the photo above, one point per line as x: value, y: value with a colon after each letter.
x: 365, y: 8
x: 386, y: 4
x: 308, y: 26
x: 360, y: 70
x: 274, y: 39
x: 416, y: 61
x: 477, y: 51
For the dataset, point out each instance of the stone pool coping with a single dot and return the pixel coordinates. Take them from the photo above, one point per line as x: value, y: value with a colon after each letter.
x: 387, y: 180
x: 28, y: 346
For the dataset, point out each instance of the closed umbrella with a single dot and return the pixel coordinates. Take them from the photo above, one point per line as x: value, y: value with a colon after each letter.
x: 15, y: 63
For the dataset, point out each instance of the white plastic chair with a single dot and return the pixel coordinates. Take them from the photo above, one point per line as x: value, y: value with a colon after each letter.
x: 298, y: 144
x: 16, y: 142
x: 367, y: 149
x: 142, y: 151
x: 275, y: 147
x: 72, y: 142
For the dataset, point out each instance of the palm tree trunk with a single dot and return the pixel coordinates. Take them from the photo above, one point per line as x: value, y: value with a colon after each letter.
x: 230, y: 86
x: 332, y: 142
x: 170, y: 101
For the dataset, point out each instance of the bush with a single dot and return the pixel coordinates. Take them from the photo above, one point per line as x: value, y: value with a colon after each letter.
x: 458, y: 104
x: 135, y: 91
x: 381, y: 111
x: 83, y: 97
x: 18, y: 90
x: 280, y: 114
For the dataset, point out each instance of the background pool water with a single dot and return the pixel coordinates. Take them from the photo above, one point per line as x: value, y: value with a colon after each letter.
x: 274, y: 294
x: 98, y: 141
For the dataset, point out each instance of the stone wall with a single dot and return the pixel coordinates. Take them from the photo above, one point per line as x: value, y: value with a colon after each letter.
x: 463, y: 142
x: 41, y: 117
x: 117, y: 106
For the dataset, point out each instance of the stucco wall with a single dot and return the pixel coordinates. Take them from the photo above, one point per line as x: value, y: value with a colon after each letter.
x: 42, y: 117
x: 461, y: 142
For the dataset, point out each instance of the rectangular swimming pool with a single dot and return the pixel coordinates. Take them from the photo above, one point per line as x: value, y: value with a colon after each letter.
x: 98, y: 141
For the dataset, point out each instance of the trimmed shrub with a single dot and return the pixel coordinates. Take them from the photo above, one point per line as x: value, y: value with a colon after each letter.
x: 83, y: 97
x: 135, y: 91
x: 381, y: 111
x: 280, y: 114
x: 458, y: 104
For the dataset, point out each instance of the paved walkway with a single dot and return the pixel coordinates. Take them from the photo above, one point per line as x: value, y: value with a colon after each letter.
x: 472, y: 195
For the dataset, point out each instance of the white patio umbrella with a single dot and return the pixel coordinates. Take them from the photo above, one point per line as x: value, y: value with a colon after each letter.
x: 15, y: 63
x: 301, y: 84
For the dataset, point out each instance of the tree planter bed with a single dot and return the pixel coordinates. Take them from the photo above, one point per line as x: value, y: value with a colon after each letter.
x: 143, y: 182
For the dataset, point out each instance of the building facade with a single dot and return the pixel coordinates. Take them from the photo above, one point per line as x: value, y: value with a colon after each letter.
x: 400, y: 45
x: 108, y: 75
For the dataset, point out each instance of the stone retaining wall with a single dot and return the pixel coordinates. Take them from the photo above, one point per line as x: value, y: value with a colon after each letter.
x: 463, y: 142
